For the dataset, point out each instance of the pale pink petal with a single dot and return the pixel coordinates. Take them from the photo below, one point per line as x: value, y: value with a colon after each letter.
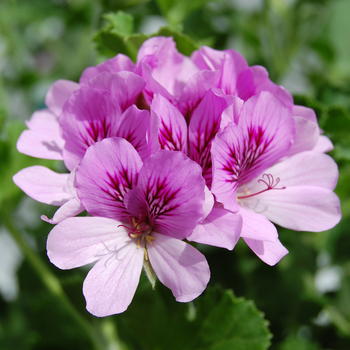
x: 257, y: 227
x: 169, y: 68
x: 323, y: 145
x: 301, y: 208
x: 58, y: 94
x: 305, y: 112
x: 111, y: 284
x: 152, y: 85
x: 302, y: 198
x: 89, y: 116
x: 207, y: 58
x: 306, y: 136
x: 133, y: 126
x: 170, y: 192
x: 108, y: 170
x: 208, y: 202
x: 179, y: 266
x: 204, y: 124
x: 113, y: 65
x: 220, y: 228
x: 223, y: 148
x: 168, y: 128
x: 303, y: 169
x: 123, y: 86
x: 80, y: 241
x: 263, y: 83
x: 231, y: 113
x: 69, y: 209
x: 43, y: 139
x: 269, y: 252
x: 233, y: 64
x: 195, y: 89
x: 43, y: 185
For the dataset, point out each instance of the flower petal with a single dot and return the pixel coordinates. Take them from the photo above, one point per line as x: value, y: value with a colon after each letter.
x: 170, y: 193
x: 69, y: 209
x: 133, y: 126
x: 113, y: 65
x: 269, y: 252
x: 123, y: 86
x: 89, y: 116
x: 168, y: 128
x: 195, y: 89
x: 220, y: 228
x: 204, y: 124
x: 257, y: 226
x: 323, y: 145
x: 169, y: 68
x: 43, y: 139
x: 301, y: 208
x: 263, y: 83
x: 108, y: 170
x: 43, y: 185
x: 179, y: 266
x: 80, y: 241
x: 264, y: 134
x: 110, y: 285
x: 58, y: 94
x: 303, y: 199
x: 306, y: 136
x: 233, y: 64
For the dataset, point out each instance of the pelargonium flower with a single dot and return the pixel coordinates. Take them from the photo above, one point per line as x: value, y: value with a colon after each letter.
x: 186, y: 84
x: 169, y: 131
x: 141, y: 212
x: 88, y: 114
x: 253, y: 174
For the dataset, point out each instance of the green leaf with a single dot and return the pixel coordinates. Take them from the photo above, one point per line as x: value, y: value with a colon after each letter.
x: 120, y: 23
x: 117, y: 37
x: 227, y: 322
x: 217, y: 320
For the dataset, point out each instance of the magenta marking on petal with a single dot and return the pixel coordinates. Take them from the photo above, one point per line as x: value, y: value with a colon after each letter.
x: 202, y: 147
x: 118, y: 187
x: 270, y: 183
x: 97, y: 132
x: 167, y: 140
x: 254, y: 147
x: 158, y: 197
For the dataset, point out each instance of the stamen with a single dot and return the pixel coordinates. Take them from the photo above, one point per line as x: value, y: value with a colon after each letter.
x: 269, y: 182
x: 150, y: 239
x: 136, y: 231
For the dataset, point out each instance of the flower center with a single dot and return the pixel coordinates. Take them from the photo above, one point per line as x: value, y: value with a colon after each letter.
x: 269, y: 181
x: 139, y: 231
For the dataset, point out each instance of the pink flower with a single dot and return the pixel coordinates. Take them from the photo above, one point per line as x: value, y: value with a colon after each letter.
x: 169, y: 131
x: 141, y: 212
x: 252, y: 174
x: 80, y: 115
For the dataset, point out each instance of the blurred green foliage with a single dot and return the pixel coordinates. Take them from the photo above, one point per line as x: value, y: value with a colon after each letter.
x: 305, y: 46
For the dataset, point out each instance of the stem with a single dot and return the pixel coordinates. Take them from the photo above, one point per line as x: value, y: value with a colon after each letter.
x: 51, y: 282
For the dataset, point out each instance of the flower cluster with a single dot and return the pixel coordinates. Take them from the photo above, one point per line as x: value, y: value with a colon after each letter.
x: 202, y: 148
